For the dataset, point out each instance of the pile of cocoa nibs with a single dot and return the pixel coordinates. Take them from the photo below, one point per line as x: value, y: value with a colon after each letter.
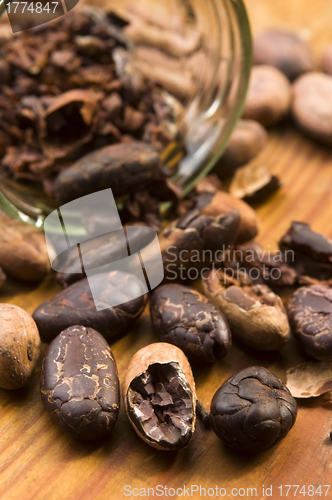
x: 219, y: 287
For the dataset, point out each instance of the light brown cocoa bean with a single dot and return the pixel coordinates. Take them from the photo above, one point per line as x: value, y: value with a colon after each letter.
x: 269, y: 96
x: 312, y: 106
x: 284, y: 50
x: 19, y: 346
x: 246, y: 142
x: 256, y: 315
x: 23, y: 251
x: 327, y: 60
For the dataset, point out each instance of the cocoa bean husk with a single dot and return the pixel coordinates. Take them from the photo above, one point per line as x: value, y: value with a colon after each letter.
x: 68, y: 123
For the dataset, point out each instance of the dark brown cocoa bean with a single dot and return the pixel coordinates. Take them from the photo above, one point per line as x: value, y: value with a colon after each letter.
x: 75, y: 305
x: 183, y: 242
x: 183, y: 317
x: 262, y: 267
x: 284, y: 50
x: 80, y: 385
x: 160, y: 396
x: 246, y: 142
x: 256, y: 315
x: 308, y: 252
x: 312, y: 106
x: 310, y: 316
x: 269, y: 96
x: 122, y: 167
x: 221, y: 203
x: 252, y: 410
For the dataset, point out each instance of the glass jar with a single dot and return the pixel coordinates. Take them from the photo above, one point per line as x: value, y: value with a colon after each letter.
x: 200, y: 53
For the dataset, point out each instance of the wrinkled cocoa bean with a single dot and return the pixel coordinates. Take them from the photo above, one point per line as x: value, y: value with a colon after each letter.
x: 160, y: 396
x: 312, y: 106
x: 183, y: 317
x: 19, y: 346
x: 75, y: 305
x: 256, y: 315
x: 284, y: 50
x: 310, y: 316
x: 23, y: 252
x: 192, y: 241
x: 80, y: 385
x: 252, y: 410
x: 269, y: 96
x: 246, y: 142
x: 122, y: 167
x: 221, y: 203
x: 308, y: 252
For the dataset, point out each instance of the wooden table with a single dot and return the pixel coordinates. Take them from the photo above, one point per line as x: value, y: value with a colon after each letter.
x: 39, y: 462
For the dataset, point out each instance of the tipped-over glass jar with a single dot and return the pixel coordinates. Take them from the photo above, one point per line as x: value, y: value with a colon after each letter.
x: 193, y: 55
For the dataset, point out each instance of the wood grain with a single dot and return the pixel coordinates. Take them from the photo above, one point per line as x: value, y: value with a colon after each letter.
x: 38, y: 461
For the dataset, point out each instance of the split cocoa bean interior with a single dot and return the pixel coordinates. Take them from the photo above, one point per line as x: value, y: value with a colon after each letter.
x: 161, y: 406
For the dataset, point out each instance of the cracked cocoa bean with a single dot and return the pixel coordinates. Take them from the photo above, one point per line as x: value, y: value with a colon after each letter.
x: 185, y: 318
x: 310, y: 317
x: 221, y: 203
x: 308, y: 252
x: 252, y: 410
x: 284, y: 50
x: 122, y: 167
x: 80, y: 385
x: 184, y: 241
x: 256, y: 315
x: 75, y: 305
x: 160, y: 396
x: 19, y: 346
